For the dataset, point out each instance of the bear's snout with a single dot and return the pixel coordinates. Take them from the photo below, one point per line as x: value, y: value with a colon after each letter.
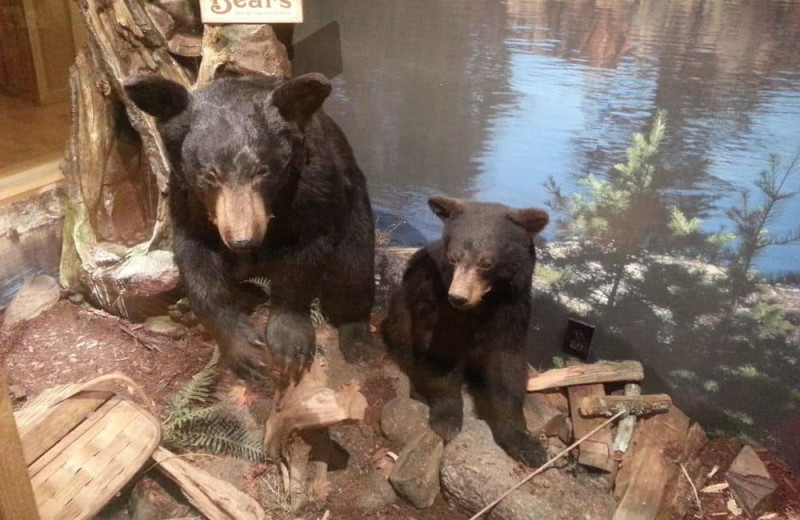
x: 241, y: 217
x: 467, y: 288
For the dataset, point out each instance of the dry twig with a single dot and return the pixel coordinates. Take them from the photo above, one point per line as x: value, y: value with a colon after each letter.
x: 694, y: 488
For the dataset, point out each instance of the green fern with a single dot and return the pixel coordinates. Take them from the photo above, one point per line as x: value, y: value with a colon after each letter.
x: 263, y: 283
x: 192, y: 421
x: 224, y: 435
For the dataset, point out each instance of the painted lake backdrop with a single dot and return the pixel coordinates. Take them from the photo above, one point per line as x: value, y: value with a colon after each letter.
x: 663, y: 136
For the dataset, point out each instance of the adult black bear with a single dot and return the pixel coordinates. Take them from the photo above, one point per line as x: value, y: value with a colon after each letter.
x: 461, y: 314
x: 262, y: 178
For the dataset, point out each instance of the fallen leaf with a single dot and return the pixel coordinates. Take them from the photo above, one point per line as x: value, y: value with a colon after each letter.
x: 321, y: 488
x: 350, y: 386
x: 713, y: 471
x: 715, y: 488
x: 733, y: 507
x: 373, y: 328
x: 240, y: 396
x: 768, y: 516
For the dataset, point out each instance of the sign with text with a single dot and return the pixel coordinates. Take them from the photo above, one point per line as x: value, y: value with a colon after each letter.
x: 252, y: 11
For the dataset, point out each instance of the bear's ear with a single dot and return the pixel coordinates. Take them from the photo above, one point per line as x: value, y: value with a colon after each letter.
x: 157, y: 96
x: 445, y: 207
x: 300, y: 97
x: 531, y: 220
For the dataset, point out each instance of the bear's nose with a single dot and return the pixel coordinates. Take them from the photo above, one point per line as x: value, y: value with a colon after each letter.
x: 456, y: 300
x: 244, y: 245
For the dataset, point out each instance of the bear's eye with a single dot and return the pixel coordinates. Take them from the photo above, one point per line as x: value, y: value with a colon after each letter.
x: 485, y: 265
x: 454, y: 257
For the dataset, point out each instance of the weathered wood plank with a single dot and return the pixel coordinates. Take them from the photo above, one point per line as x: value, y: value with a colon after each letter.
x: 16, y: 494
x: 215, y: 498
x: 626, y: 425
x: 595, y: 452
x: 652, y: 465
x: 583, y: 374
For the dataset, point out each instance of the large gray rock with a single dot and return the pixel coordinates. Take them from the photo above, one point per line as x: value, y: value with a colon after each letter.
x: 404, y: 419
x: 415, y: 476
x: 37, y: 294
x: 376, y: 495
x: 475, y: 471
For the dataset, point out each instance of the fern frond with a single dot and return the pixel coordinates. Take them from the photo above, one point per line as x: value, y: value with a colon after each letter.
x: 262, y: 282
x: 225, y: 436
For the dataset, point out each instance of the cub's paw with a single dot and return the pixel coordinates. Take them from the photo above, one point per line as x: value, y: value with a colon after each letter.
x: 245, y: 351
x: 355, y: 342
x: 522, y: 447
x: 446, y: 423
x: 291, y: 339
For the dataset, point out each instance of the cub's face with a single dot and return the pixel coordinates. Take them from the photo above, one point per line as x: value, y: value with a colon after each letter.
x: 235, y: 144
x: 488, y: 246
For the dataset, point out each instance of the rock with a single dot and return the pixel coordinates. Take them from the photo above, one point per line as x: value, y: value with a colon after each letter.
x: 475, y: 471
x: 415, y: 476
x: 146, y: 282
x: 751, y: 484
x: 390, y: 263
x: 37, y: 294
x: 377, y: 494
x: 17, y: 392
x: 154, y: 497
x: 404, y: 419
x: 164, y: 326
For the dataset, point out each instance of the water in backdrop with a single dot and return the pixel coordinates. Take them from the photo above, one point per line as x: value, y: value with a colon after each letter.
x: 530, y: 102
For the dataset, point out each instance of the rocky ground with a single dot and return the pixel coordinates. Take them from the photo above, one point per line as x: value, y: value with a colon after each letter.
x: 395, y: 467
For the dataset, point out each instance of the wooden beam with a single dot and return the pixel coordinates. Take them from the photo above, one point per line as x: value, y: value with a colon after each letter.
x: 595, y: 452
x: 580, y: 374
x: 16, y: 494
x: 652, y: 465
x: 608, y: 405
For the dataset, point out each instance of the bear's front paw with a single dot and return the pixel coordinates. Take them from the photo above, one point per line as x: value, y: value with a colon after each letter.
x: 445, y: 423
x: 291, y: 338
x: 245, y: 351
x: 522, y: 447
x: 355, y: 341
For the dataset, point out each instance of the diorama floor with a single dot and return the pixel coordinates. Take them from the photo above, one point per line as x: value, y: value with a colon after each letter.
x: 73, y: 343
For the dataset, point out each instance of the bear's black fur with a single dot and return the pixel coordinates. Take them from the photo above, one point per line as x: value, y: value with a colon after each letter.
x: 461, y: 315
x: 263, y: 180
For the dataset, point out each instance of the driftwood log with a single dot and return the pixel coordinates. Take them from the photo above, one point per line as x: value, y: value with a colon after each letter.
x: 301, y: 414
x: 116, y: 249
x: 608, y: 405
x: 215, y: 498
x: 581, y: 374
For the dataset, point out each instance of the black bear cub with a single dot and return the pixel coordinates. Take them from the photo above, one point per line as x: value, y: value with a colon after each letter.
x: 264, y: 183
x: 461, y: 315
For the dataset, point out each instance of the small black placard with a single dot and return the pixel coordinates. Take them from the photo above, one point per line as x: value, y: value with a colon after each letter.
x: 578, y: 341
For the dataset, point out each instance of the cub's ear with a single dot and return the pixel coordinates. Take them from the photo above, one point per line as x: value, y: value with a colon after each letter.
x: 157, y: 96
x: 446, y: 207
x: 531, y: 220
x: 300, y: 97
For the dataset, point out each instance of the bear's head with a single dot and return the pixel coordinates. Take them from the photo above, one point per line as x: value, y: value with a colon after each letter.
x: 234, y: 144
x: 488, y: 247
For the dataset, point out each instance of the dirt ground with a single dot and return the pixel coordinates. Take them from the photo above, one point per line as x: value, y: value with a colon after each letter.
x: 73, y: 343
